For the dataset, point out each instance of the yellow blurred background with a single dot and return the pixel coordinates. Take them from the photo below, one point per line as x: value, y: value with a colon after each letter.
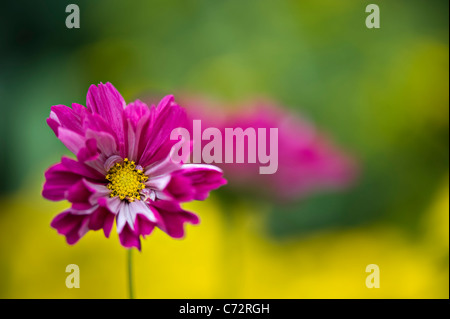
x: 214, y: 261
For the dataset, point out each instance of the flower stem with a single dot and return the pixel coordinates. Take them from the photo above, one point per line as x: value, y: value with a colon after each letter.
x: 130, y: 274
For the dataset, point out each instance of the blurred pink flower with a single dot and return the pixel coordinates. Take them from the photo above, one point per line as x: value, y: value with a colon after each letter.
x: 308, y: 161
x: 123, y: 169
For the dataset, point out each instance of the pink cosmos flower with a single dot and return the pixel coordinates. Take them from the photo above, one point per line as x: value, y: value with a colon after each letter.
x: 308, y: 160
x: 123, y: 169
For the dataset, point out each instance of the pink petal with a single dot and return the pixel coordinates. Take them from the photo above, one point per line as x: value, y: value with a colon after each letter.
x: 102, y: 218
x: 135, y: 111
x: 106, y: 101
x: 130, y: 235
x: 194, y: 181
x: 73, y: 141
x: 143, y: 226
x: 128, y: 212
x: 81, y: 169
x: 105, y: 142
x: 89, y: 151
x: 167, y: 116
x: 97, y: 123
x: 163, y: 167
x: 71, y: 225
x: 137, y: 120
x: 58, y: 179
x: 173, y: 218
x: 128, y: 238
x: 68, y: 118
x: 97, y: 191
x: 112, y: 204
x: 78, y: 194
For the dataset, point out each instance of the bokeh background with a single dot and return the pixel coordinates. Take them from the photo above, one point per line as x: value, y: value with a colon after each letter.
x: 380, y: 94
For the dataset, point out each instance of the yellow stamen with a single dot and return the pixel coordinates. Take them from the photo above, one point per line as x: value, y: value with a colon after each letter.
x: 126, y: 181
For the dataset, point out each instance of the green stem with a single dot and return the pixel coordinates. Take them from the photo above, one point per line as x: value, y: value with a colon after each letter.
x: 130, y: 273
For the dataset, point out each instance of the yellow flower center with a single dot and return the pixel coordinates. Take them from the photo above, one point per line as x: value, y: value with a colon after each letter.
x: 126, y: 181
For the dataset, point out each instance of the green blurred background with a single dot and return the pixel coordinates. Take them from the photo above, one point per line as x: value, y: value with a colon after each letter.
x: 381, y: 94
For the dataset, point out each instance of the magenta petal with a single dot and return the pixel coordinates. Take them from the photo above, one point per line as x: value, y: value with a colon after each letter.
x: 105, y: 142
x: 180, y: 188
x: 68, y: 118
x: 54, y: 125
x: 163, y: 167
x: 72, y: 140
x: 106, y: 101
x: 168, y: 116
x: 97, y: 123
x: 136, y: 111
x: 194, y: 182
x: 112, y: 204
x: 89, y: 152
x: 165, y: 102
x: 80, y: 110
x: 129, y: 239
x: 101, y: 218
x: 98, y: 218
x: 71, y: 225
x: 78, y: 194
x: 109, y: 218
x: 58, y: 179
x: 108, y: 224
x: 81, y: 169
x: 137, y: 120
x: 174, y: 217
x: 64, y: 222
x: 143, y: 226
